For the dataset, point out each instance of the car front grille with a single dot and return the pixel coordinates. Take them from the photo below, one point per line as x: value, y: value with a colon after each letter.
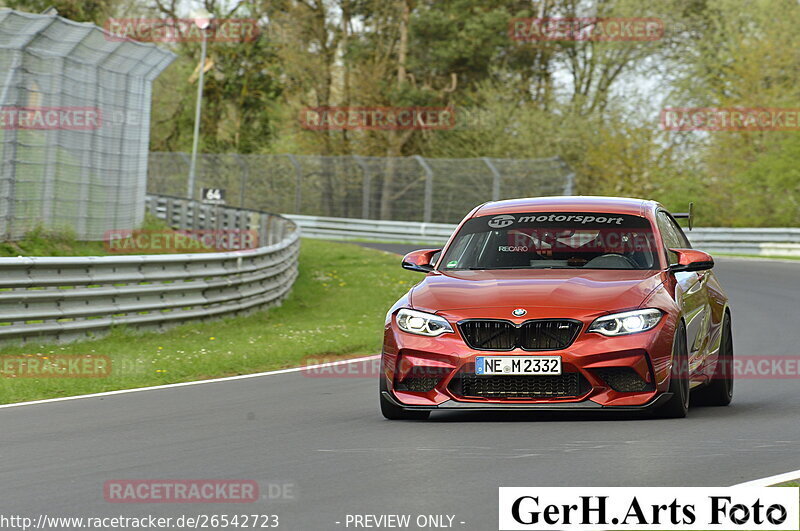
x: 489, y: 335
x: 566, y: 385
x: 624, y: 379
x: 541, y: 334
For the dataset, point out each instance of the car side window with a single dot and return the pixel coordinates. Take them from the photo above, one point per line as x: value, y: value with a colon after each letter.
x: 679, y: 234
x: 672, y: 235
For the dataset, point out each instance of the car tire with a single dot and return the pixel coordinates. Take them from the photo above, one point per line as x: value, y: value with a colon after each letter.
x: 392, y: 411
x: 719, y: 392
x: 678, y: 405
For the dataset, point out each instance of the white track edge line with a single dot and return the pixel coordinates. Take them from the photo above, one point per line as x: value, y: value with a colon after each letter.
x: 196, y: 382
x: 771, y: 480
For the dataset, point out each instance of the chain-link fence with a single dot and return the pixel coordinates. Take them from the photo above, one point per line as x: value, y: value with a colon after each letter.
x: 402, y: 188
x: 74, y: 125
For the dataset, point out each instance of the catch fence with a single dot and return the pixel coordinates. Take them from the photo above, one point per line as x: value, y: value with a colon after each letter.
x: 74, y: 126
x: 401, y: 188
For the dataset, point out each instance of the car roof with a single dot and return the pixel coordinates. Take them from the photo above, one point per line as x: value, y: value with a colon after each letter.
x: 575, y: 203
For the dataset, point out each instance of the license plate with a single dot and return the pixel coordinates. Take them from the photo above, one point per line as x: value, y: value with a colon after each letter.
x: 518, y: 365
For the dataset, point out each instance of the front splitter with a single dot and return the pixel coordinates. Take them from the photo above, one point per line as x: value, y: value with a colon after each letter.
x: 586, y: 405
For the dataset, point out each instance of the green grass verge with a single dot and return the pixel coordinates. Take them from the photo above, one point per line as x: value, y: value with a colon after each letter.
x: 795, y: 483
x: 42, y: 242
x: 336, y: 308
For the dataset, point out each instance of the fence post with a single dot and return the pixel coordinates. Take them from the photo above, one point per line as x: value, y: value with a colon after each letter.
x: 81, y: 225
x: 427, y: 212
x: 245, y: 176
x: 51, y: 164
x: 569, y: 180
x: 570, y: 184
x: 366, y: 188
x: 495, y: 178
x: 298, y: 182
x: 8, y: 161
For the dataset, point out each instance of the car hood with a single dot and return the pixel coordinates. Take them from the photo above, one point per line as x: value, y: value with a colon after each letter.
x: 594, y: 290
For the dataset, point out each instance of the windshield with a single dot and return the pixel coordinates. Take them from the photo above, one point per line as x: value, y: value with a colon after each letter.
x: 553, y: 240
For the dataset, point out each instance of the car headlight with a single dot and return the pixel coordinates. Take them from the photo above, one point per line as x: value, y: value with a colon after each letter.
x: 619, y: 324
x: 424, y: 324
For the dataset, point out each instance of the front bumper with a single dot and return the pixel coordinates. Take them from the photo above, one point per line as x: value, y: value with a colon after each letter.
x: 446, y: 358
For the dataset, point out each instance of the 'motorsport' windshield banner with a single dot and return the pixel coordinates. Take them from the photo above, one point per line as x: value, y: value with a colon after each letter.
x: 552, y: 219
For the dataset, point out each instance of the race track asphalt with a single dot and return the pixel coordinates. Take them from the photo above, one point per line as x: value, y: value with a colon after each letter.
x: 324, y: 441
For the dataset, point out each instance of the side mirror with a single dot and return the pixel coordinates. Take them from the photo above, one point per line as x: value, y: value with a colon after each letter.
x: 692, y: 260
x: 419, y: 260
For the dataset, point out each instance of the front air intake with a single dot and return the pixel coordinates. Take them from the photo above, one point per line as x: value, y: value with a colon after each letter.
x: 567, y: 385
x: 624, y: 379
x: 421, y: 384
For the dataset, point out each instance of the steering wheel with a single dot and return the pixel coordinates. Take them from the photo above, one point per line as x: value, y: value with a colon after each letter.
x: 533, y: 241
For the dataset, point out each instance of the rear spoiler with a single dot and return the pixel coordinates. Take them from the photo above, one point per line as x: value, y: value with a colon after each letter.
x: 686, y: 215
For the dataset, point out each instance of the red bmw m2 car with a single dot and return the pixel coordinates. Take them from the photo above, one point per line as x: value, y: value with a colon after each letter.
x: 559, y: 303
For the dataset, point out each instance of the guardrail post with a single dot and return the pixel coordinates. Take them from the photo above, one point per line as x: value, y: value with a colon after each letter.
x: 495, y: 178
x: 265, y: 236
x: 427, y: 212
x: 168, y: 213
x: 183, y: 211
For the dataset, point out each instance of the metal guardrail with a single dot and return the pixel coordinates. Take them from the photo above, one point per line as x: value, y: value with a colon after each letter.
x: 757, y: 241
x: 370, y: 229
x: 64, y: 299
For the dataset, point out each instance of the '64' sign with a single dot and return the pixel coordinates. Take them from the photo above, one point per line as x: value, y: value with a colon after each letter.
x: 213, y: 196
